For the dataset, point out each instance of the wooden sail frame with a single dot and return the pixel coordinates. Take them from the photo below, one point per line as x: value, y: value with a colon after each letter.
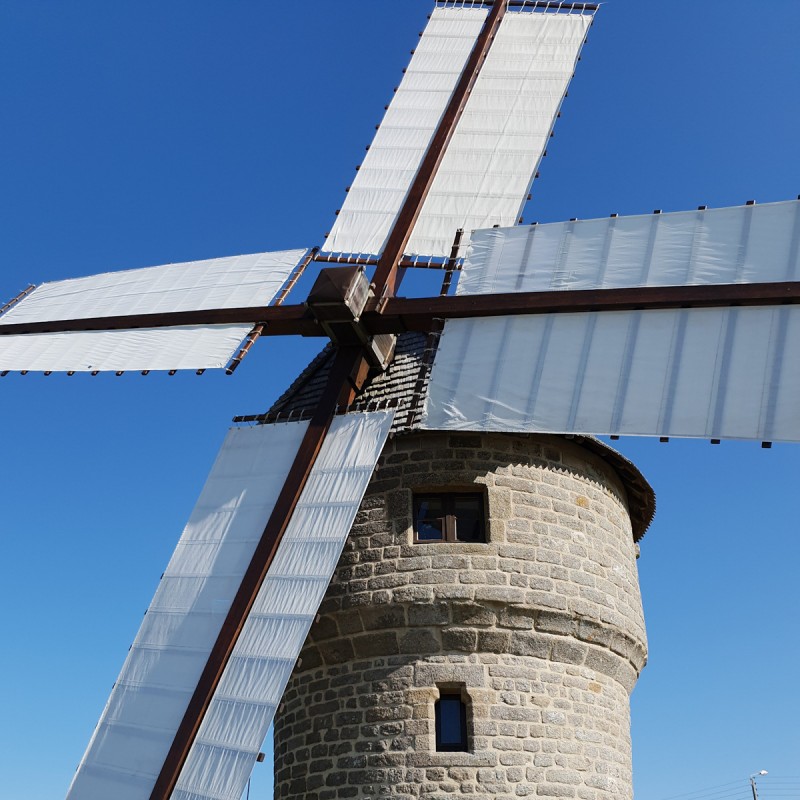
x: 388, y: 314
x: 350, y: 368
x: 400, y: 314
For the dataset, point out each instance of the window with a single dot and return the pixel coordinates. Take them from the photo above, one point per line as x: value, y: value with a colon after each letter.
x: 451, y: 723
x: 449, y: 517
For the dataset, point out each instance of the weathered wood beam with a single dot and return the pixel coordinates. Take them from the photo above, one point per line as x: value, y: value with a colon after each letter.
x: 386, y: 277
x: 293, y: 319
x: 345, y: 363
x: 419, y: 314
x: 400, y: 314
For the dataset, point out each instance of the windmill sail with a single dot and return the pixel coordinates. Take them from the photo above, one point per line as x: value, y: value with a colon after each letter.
x: 741, y: 244
x: 486, y: 173
x: 695, y: 372
x: 151, y: 695
x: 216, y: 283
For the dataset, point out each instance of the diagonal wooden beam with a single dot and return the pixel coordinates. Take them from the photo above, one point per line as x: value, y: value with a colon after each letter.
x: 344, y: 364
x: 348, y: 370
x: 386, y: 277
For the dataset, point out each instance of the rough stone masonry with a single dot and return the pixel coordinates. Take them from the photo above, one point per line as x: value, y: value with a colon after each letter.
x: 540, y: 630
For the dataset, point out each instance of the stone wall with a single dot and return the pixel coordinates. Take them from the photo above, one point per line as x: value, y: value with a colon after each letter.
x: 541, y: 629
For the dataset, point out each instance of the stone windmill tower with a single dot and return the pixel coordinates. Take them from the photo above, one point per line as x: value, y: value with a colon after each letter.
x: 484, y: 628
x: 486, y: 645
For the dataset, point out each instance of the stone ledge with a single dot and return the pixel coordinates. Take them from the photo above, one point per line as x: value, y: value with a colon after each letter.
x: 491, y: 627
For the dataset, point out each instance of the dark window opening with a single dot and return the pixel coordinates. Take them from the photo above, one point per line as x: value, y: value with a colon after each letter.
x: 451, y: 723
x: 449, y: 517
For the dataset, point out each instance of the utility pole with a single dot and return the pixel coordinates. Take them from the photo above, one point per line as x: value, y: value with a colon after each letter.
x: 753, y: 782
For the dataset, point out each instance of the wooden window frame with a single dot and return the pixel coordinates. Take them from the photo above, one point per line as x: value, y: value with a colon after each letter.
x: 449, y: 525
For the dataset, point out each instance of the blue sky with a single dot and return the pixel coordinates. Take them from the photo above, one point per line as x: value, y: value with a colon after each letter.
x: 139, y: 133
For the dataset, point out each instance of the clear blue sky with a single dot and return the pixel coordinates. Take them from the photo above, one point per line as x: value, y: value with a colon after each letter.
x: 139, y: 133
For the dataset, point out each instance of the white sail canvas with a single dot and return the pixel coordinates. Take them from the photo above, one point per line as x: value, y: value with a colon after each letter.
x: 385, y: 176
x: 711, y: 373
x: 740, y: 244
x: 240, y: 281
x: 708, y: 373
x: 486, y: 173
x: 158, y: 678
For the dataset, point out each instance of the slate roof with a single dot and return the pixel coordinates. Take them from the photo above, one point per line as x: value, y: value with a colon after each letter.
x: 396, y: 386
x: 403, y: 386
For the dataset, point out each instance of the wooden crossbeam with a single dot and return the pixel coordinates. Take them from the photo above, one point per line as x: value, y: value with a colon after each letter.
x: 399, y: 314
x: 282, y: 319
x: 419, y: 314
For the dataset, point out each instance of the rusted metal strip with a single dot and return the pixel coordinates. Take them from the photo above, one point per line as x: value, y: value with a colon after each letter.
x: 452, y: 263
x: 345, y: 362
x: 273, y: 416
x: 417, y: 262
x: 259, y: 329
x: 14, y: 300
x: 295, y: 276
x: 346, y: 258
x: 387, y: 275
x: 252, y: 337
x: 546, y: 5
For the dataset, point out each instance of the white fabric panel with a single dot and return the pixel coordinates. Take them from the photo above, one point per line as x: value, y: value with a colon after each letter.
x: 218, y: 283
x: 188, y: 347
x: 234, y: 728
x: 700, y: 372
x: 161, y: 670
x: 487, y: 171
x: 742, y: 244
x: 400, y: 144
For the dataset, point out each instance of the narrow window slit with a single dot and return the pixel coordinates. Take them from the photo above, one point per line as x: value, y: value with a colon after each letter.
x: 450, y: 712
